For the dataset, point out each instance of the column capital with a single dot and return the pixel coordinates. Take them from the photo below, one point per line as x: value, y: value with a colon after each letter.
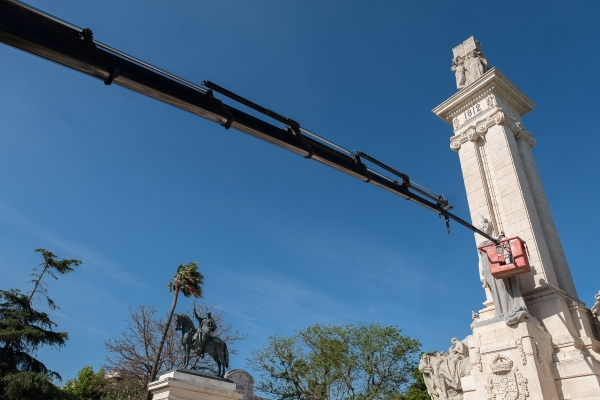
x: 476, y: 128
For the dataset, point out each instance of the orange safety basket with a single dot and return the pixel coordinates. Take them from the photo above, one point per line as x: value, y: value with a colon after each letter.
x: 498, y: 266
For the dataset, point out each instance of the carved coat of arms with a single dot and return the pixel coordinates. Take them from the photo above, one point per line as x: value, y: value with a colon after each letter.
x: 505, y: 382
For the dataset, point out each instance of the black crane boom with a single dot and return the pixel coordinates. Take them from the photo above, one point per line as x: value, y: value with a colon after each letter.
x: 36, y: 32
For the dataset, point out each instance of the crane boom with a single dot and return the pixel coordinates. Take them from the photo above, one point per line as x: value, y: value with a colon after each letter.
x: 36, y: 32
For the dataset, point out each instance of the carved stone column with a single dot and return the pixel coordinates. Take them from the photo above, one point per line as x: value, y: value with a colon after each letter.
x: 503, y: 185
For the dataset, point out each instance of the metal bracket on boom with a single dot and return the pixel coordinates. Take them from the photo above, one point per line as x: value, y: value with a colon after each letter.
x: 404, y: 177
x: 293, y: 125
x: 111, y: 77
x: 88, y: 37
x: 363, y: 166
x: 223, y: 107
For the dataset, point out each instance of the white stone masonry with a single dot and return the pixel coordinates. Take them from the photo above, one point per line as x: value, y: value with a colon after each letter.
x: 554, y: 354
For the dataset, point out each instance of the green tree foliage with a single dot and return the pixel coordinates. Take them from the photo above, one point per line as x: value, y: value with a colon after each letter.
x: 52, y: 267
x: 187, y: 280
x: 30, y: 385
x: 90, y: 385
x: 353, y: 362
x: 24, y: 330
x: 417, y: 390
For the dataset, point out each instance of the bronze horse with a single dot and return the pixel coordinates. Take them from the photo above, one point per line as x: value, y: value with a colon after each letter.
x: 214, y: 346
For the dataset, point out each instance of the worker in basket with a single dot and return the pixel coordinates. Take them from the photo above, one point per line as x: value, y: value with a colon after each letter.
x: 505, y: 248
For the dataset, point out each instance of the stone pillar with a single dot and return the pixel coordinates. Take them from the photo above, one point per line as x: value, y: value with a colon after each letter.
x: 184, y: 384
x: 503, y: 185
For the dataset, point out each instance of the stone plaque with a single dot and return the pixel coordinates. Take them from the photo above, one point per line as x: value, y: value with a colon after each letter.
x: 497, y: 347
x: 471, y: 112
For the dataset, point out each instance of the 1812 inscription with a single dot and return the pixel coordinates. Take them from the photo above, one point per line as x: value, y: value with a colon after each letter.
x: 471, y: 112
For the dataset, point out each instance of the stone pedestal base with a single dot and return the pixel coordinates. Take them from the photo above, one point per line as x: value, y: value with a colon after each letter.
x: 522, y: 361
x: 183, y: 384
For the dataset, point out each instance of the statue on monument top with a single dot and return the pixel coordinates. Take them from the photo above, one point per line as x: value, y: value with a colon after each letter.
x: 206, y: 328
x: 201, y: 340
x: 469, y: 63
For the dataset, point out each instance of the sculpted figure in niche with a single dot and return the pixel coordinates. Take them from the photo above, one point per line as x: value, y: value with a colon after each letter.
x: 442, y: 372
x: 507, y: 298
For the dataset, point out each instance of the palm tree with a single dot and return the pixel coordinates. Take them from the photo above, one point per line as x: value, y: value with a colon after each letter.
x: 187, y: 280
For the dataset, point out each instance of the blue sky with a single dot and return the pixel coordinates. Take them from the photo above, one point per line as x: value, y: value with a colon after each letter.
x: 134, y: 187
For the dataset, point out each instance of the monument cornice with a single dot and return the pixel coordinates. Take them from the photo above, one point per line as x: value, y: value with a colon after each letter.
x: 492, y: 82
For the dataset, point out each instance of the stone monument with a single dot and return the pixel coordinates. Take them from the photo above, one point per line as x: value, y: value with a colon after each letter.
x: 534, y: 338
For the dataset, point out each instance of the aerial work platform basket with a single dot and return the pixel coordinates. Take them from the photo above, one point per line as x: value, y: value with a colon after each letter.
x: 517, y: 250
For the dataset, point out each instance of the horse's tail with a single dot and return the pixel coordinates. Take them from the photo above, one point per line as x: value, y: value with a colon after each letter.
x: 225, y: 355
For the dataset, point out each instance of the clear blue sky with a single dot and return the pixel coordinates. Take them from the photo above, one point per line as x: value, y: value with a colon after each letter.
x: 134, y: 187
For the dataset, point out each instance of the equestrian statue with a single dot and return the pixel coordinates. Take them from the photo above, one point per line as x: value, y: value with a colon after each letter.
x: 201, y: 340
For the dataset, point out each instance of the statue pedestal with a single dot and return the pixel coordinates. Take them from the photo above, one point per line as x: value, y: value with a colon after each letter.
x: 511, y: 361
x: 184, y: 384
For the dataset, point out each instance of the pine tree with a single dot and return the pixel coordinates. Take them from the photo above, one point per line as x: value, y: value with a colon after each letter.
x: 24, y: 330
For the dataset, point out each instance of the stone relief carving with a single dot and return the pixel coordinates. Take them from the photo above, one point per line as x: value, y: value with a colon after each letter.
x: 478, y: 361
x: 469, y: 63
x: 538, y: 355
x: 476, y: 65
x: 477, y: 99
x: 505, y: 382
x: 442, y: 372
x: 506, y: 296
x: 511, y: 103
x: 458, y: 67
x: 455, y: 144
x: 596, y: 307
x: 519, y: 343
x: 481, y: 127
x: 519, y: 130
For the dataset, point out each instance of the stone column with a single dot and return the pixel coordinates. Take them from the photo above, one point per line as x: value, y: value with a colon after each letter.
x: 503, y: 185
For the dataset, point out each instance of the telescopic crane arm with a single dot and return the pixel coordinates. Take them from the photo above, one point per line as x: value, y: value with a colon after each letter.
x: 36, y: 32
